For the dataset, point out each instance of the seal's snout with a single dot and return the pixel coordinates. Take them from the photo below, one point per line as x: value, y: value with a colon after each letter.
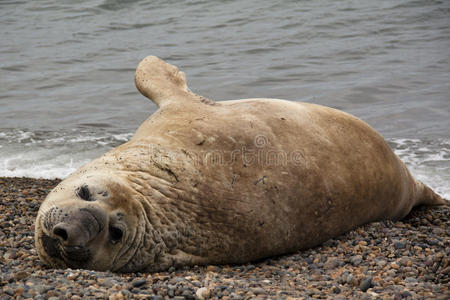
x: 71, y: 234
x: 83, y: 226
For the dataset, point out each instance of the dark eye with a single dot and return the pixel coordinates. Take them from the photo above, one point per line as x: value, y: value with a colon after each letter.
x: 115, y: 234
x: 83, y: 193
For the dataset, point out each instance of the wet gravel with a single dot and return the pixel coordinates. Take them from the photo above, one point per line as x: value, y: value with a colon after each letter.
x: 407, y: 259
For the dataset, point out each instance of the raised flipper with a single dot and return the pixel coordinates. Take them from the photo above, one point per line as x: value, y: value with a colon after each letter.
x: 164, y: 84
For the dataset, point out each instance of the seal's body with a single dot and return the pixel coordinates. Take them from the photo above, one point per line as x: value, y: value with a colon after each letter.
x: 205, y: 182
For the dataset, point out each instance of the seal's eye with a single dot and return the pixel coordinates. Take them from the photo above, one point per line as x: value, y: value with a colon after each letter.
x: 83, y: 193
x: 115, y: 234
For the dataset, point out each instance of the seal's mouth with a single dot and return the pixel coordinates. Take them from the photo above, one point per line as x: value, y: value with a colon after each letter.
x: 72, y: 256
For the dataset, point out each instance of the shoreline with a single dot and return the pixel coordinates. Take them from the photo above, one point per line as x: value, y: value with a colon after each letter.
x: 393, y: 260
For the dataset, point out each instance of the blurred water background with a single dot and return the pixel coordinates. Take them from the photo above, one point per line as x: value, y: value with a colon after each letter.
x: 66, y: 70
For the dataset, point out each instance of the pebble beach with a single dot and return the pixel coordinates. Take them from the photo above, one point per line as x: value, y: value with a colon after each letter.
x: 406, y: 259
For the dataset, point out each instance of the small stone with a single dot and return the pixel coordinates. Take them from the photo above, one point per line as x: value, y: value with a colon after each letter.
x: 259, y: 291
x: 202, y: 293
x: 432, y: 242
x: 406, y: 294
x: 399, y: 245
x: 50, y: 293
x: 139, y: 282
x: 405, y: 261
x: 336, y: 290
x: 41, y: 289
x: 10, y: 254
x: 356, y: 260
x: 235, y: 296
x: 22, y: 275
x: 188, y: 294
x: 411, y: 280
x: 348, y: 278
x: 446, y: 271
x: 381, y: 263
x: 366, y: 284
x: 19, y: 291
x: 72, y: 276
x: 332, y: 262
x: 212, y: 268
x: 395, y: 266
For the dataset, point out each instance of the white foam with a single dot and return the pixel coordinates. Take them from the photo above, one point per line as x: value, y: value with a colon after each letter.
x: 39, y: 171
x: 52, y: 154
x: 25, y: 136
x: 428, y: 161
x: 36, y: 165
x: 123, y: 136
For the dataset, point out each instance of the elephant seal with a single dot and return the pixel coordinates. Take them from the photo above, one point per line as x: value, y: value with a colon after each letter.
x: 204, y: 182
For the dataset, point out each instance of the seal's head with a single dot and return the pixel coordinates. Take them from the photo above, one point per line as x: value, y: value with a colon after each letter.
x: 91, y: 222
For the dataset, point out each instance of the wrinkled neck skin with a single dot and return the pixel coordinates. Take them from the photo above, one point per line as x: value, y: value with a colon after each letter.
x: 150, y: 188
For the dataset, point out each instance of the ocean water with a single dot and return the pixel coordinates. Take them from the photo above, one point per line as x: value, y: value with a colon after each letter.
x: 66, y: 70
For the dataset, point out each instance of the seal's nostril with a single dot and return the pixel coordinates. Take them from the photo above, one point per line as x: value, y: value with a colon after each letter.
x: 115, y: 234
x: 84, y: 193
x: 60, y: 232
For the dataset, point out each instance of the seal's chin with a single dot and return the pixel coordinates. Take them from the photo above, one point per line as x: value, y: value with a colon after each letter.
x: 67, y: 256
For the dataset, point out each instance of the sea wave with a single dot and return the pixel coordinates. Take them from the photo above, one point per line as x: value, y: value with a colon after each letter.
x: 427, y: 160
x: 41, y: 154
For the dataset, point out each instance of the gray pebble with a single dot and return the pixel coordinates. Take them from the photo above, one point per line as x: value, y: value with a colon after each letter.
x: 235, y: 296
x: 356, y: 260
x: 259, y: 291
x: 366, y: 284
x: 399, y: 245
x: 139, y: 282
x: 41, y: 289
x: 381, y: 263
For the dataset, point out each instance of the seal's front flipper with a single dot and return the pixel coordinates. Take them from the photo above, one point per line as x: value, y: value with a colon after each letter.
x: 163, y: 83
